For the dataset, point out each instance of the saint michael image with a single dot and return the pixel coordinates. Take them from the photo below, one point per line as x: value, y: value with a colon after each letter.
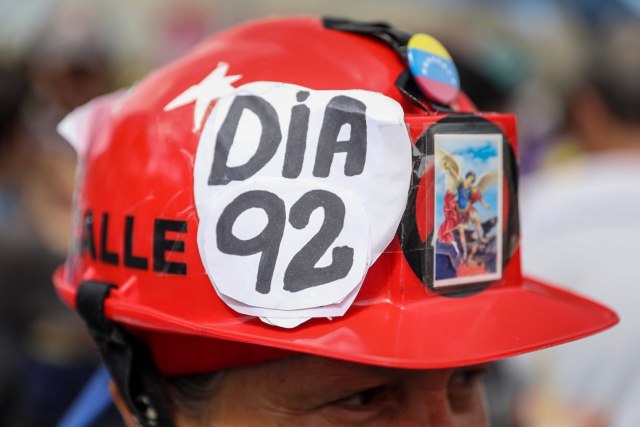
x: 467, y: 208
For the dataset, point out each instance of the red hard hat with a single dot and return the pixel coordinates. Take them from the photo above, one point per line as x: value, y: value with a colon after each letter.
x: 198, y: 255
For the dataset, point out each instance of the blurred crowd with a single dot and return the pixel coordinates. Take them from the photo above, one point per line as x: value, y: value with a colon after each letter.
x: 569, y: 69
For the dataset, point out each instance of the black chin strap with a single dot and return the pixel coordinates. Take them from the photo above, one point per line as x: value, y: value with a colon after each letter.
x: 397, y: 40
x: 129, y: 361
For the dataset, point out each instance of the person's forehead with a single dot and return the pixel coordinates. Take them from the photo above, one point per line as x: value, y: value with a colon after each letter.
x: 311, y: 365
x: 300, y: 370
x: 303, y: 382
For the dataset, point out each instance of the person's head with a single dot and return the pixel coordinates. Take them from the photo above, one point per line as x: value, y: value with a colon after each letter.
x: 71, y: 58
x: 604, y: 107
x: 469, y: 179
x: 13, y: 92
x: 308, y: 390
x: 253, y: 238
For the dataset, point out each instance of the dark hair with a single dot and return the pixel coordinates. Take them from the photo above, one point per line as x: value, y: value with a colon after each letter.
x: 618, y: 85
x: 13, y: 92
x: 470, y: 174
x: 191, y: 394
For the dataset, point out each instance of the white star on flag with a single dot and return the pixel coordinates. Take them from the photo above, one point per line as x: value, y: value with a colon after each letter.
x: 212, y: 87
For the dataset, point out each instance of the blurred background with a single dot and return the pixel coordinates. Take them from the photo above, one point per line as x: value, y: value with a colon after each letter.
x: 570, y: 70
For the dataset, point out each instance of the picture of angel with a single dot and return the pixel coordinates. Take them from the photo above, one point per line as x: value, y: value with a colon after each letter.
x: 468, y: 209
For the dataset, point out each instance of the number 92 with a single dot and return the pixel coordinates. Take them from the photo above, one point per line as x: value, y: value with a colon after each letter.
x: 301, y: 272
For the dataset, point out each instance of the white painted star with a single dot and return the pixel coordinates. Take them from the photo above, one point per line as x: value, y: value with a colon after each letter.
x: 212, y: 87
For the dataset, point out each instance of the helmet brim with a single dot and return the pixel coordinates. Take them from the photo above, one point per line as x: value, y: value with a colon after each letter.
x: 431, y: 333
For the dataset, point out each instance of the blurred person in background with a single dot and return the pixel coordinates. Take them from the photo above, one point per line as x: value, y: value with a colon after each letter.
x: 45, y: 355
x: 581, y: 222
x: 13, y: 89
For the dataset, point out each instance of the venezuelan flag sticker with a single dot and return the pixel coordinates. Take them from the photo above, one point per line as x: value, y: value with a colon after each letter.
x: 433, y: 68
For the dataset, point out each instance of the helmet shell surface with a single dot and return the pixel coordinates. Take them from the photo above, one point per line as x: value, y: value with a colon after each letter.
x: 136, y: 226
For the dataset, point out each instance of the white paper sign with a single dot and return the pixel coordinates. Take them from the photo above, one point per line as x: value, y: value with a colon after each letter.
x: 289, y: 250
x: 298, y: 192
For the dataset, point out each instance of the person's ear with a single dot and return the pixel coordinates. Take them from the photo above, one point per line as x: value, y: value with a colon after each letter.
x: 121, y: 406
